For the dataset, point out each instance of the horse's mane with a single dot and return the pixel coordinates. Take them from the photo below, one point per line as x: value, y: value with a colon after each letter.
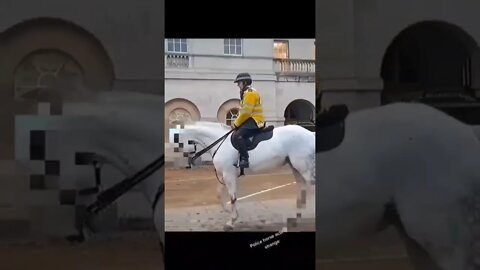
x: 129, y: 114
x: 208, y: 125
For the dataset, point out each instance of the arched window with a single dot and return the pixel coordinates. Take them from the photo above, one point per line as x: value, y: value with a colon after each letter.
x: 232, y: 114
x: 44, y: 71
x: 179, y: 116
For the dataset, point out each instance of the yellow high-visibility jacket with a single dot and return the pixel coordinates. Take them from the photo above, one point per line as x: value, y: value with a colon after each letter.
x: 251, y: 106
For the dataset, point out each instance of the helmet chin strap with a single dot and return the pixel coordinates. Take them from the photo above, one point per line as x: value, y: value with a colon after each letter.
x: 242, y: 91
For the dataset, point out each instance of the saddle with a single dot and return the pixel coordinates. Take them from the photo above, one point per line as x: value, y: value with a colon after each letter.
x: 330, y: 128
x: 252, y: 142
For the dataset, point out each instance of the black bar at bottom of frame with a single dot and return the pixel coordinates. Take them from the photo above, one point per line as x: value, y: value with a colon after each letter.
x: 240, y: 250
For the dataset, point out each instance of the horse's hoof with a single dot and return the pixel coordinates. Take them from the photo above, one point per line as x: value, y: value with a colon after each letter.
x: 227, y: 227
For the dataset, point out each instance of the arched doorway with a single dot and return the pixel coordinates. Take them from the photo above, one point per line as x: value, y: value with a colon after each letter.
x: 300, y: 112
x: 433, y: 62
x: 427, y: 58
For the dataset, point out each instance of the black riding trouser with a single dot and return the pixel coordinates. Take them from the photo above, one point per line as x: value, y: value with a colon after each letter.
x: 248, y: 129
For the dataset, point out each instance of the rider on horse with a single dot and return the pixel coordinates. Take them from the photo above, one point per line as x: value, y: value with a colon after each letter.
x: 251, y: 119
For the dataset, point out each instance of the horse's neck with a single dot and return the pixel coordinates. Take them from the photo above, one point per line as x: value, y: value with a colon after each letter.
x: 207, y: 136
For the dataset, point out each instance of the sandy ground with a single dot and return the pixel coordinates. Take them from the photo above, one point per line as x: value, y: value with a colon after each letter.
x: 136, y: 252
x: 265, y: 202
x: 192, y: 205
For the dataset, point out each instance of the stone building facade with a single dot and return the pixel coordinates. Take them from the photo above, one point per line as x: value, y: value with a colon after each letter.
x: 199, y: 75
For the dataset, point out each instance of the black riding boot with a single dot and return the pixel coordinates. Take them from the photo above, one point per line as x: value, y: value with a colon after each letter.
x: 242, y: 148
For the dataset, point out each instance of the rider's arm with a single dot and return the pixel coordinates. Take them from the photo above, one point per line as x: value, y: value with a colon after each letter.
x: 246, y: 111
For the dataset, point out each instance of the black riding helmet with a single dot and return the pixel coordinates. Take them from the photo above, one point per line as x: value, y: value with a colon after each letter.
x: 245, y: 77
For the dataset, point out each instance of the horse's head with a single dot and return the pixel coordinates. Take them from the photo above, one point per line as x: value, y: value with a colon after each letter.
x: 193, y: 137
x: 119, y: 136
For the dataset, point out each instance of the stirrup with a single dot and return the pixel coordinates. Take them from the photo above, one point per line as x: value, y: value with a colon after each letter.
x: 242, y: 169
x: 237, y: 164
x: 247, y: 162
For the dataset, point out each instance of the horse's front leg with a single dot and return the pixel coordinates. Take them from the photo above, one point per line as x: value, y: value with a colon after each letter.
x: 231, y: 183
x: 220, y: 196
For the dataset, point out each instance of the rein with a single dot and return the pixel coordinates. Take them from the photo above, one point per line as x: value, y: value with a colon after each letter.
x: 203, y: 151
x: 108, y: 196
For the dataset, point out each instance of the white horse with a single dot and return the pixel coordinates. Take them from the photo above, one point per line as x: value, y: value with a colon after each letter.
x: 409, y: 165
x: 291, y: 144
x: 125, y: 130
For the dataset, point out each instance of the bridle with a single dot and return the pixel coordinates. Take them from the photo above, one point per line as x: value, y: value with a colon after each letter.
x: 108, y: 196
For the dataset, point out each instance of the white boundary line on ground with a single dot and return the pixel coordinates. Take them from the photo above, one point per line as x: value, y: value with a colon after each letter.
x: 263, y: 191
x: 213, y: 177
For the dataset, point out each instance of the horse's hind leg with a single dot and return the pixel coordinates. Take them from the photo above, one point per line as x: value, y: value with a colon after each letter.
x: 419, y: 257
x: 304, y: 172
x: 438, y: 230
x: 301, y: 192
